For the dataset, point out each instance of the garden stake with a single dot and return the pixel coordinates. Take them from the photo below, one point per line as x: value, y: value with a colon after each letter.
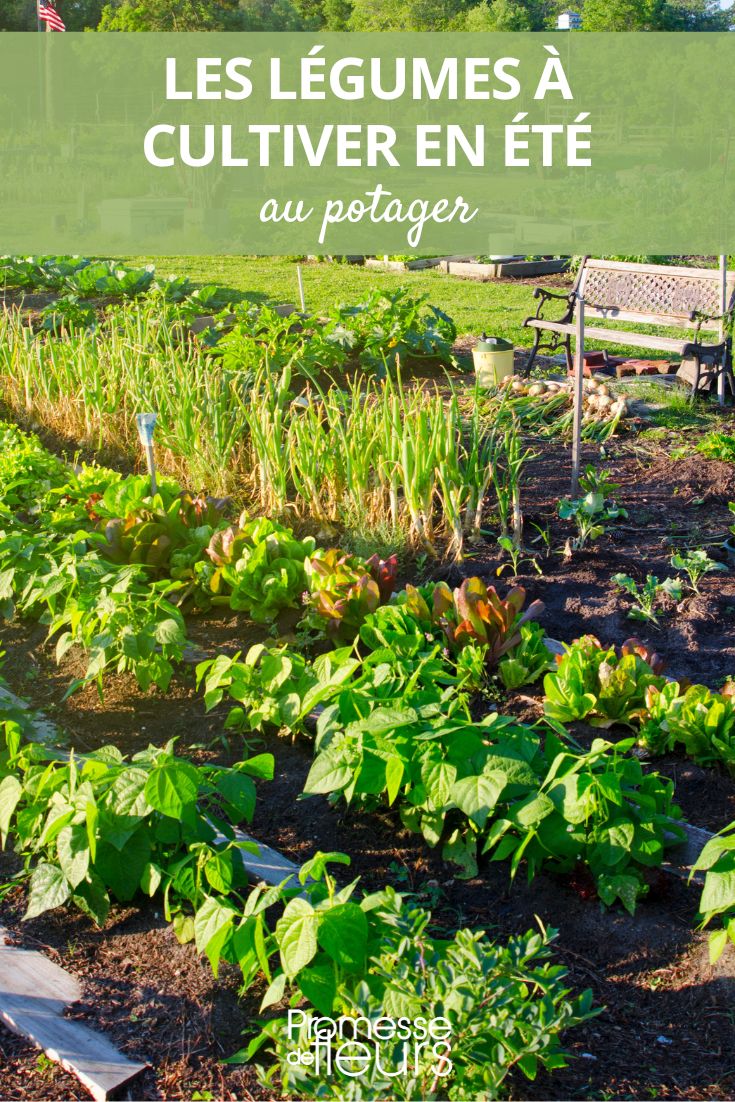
x: 300, y: 278
x: 578, y: 388
x: 146, y: 423
x: 723, y: 334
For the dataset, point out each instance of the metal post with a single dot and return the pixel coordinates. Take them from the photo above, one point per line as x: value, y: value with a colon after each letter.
x: 146, y: 423
x: 723, y: 334
x: 578, y: 392
x: 300, y: 279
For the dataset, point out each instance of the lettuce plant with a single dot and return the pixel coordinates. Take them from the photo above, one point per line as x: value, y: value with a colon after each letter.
x: 345, y: 589
x: 603, y: 685
x: 691, y: 717
x: 474, y: 613
x: 168, y: 531
x: 528, y: 660
x: 256, y: 567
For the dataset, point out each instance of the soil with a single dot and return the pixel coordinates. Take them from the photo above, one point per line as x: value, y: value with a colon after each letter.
x: 667, y: 1026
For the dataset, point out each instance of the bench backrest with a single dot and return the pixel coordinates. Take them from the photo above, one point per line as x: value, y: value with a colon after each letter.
x: 652, y: 293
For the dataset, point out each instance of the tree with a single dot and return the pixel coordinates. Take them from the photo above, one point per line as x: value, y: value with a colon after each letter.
x: 402, y: 15
x: 200, y: 15
x: 654, y: 15
x: 494, y: 15
x: 336, y: 14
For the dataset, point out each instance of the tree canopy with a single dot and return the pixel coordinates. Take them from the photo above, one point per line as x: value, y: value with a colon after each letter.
x: 370, y: 15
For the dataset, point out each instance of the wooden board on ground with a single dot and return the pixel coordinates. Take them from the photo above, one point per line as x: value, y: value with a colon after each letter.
x: 504, y: 269
x: 419, y: 264
x: 34, y: 991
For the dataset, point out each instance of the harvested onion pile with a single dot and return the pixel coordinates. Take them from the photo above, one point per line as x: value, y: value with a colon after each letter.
x: 547, y: 407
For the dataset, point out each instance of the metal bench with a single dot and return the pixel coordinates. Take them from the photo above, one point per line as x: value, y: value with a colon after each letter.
x: 651, y: 294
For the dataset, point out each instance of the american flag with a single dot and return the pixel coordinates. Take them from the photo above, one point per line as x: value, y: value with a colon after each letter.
x: 47, y: 13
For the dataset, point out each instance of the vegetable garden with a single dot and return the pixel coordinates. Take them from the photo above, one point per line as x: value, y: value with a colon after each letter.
x: 359, y: 618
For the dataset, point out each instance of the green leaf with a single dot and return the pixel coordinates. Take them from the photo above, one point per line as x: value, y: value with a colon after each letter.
x: 171, y: 788
x: 318, y: 984
x: 531, y: 811
x: 343, y: 933
x: 239, y: 791
x: 326, y: 775
x: 438, y: 778
x: 11, y: 791
x: 296, y: 935
x: 150, y: 880
x: 49, y: 888
x: 168, y: 631
x: 212, y: 923
x: 121, y: 871
x: 218, y: 871
x: 261, y: 765
x: 72, y: 848
x: 718, y: 893
x: 128, y: 793
x: 477, y: 796
x: 275, y: 991
x: 92, y: 899
x: 393, y: 776
x: 717, y: 943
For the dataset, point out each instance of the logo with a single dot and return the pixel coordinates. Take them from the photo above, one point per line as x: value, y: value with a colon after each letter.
x: 357, y: 1047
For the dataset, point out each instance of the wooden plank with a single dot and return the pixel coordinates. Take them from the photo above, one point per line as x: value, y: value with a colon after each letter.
x: 646, y: 317
x: 659, y: 269
x: 267, y: 864
x: 682, y: 858
x: 33, y: 994
x: 616, y: 336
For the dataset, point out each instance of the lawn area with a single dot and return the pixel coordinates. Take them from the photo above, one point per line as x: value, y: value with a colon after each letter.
x: 498, y: 308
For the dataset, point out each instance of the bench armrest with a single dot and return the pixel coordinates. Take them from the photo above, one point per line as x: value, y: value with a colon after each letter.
x: 545, y: 296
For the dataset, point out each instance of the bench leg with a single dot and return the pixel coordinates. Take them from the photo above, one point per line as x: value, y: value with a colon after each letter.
x: 568, y: 354
x: 697, y: 373
x: 532, y: 355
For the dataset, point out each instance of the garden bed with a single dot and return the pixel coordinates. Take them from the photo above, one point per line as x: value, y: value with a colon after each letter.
x: 510, y: 268
x: 666, y: 1028
x: 397, y: 465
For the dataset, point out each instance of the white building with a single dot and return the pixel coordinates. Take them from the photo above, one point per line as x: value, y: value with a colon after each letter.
x: 569, y: 21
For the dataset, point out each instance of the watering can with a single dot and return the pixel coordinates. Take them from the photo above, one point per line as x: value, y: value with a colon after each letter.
x: 493, y: 360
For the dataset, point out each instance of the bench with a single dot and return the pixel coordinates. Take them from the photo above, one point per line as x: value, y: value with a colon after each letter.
x: 651, y: 294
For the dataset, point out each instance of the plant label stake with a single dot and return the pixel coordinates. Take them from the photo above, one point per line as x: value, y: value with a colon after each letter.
x: 722, y: 332
x: 578, y: 392
x: 146, y: 423
x: 300, y: 278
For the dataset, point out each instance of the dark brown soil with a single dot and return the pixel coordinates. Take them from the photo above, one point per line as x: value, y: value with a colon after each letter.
x: 667, y: 1030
